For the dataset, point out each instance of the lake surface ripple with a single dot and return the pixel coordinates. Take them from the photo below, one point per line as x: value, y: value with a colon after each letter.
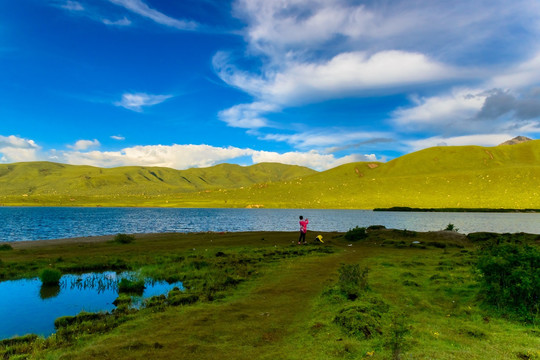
x: 38, y: 223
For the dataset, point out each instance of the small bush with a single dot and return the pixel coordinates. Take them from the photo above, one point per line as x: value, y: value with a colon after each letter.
x: 396, y: 340
x: 50, y: 276
x: 124, y: 239
x: 6, y: 247
x: 358, y: 233
x: 451, y: 227
x: 352, y: 280
x: 131, y: 286
x: 363, y: 318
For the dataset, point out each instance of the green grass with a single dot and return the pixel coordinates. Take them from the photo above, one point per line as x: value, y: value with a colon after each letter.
x: 259, y: 296
x: 439, y: 177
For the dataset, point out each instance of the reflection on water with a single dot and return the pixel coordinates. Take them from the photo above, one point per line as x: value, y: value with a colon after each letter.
x: 49, y: 291
x: 28, y: 307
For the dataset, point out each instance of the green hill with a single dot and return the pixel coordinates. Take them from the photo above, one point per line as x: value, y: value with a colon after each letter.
x: 438, y: 177
x: 505, y: 176
x: 52, y: 183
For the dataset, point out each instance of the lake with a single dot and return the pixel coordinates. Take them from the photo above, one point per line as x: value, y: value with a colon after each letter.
x: 36, y: 223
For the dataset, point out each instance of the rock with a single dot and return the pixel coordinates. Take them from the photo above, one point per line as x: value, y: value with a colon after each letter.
x: 516, y: 140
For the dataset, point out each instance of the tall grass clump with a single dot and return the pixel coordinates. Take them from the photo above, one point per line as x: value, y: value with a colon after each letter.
x: 510, y: 278
x: 123, y: 239
x: 352, y: 280
x: 50, y: 276
x: 130, y: 286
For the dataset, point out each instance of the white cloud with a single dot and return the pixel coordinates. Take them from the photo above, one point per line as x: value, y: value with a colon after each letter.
x: 346, y: 74
x: 507, y: 102
x: 121, y: 22
x: 248, y: 116
x: 441, y: 112
x: 17, y: 149
x: 277, y: 28
x: 142, y: 9
x: 173, y: 156
x: 72, y: 6
x: 84, y: 144
x: 137, y: 101
x: 190, y: 156
x: 480, y: 140
x: 118, y: 137
x: 324, y: 138
x: 523, y: 75
x: 311, y: 159
x: 317, y: 50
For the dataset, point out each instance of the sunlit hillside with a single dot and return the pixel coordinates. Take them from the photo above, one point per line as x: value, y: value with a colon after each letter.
x: 439, y: 177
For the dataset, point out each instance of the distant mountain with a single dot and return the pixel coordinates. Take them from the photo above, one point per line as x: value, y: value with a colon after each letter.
x: 516, y: 140
x: 47, y: 181
x: 438, y: 177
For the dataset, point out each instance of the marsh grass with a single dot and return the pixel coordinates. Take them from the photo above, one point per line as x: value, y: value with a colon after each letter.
x: 50, y: 276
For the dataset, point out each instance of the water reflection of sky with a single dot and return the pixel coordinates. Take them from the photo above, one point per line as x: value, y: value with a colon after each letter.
x: 27, y: 307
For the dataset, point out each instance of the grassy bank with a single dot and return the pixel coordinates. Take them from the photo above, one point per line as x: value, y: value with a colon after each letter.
x: 384, y: 294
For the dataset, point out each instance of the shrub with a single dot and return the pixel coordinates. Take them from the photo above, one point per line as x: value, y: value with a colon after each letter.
x: 50, y: 276
x: 363, y: 318
x: 124, y: 239
x: 510, y: 278
x: 358, y: 233
x: 131, y: 286
x: 352, y: 280
x: 6, y: 247
x: 451, y: 227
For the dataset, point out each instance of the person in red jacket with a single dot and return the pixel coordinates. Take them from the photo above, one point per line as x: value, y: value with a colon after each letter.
x: 303, y: 230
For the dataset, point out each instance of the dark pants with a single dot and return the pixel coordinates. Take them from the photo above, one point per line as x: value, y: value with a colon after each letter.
x: 302, y: 237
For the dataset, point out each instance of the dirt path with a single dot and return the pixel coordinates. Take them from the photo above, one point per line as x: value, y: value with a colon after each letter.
x: 255, y: 326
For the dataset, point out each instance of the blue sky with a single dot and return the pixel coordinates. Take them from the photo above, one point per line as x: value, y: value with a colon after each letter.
x: 317, y: 83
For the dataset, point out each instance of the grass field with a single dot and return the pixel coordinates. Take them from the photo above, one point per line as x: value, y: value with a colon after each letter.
x: 260, y: 296
x: 440, y: 177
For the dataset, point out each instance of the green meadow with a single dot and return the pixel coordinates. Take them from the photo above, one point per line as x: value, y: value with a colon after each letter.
x: 505, y: 176
x: 371, y: 293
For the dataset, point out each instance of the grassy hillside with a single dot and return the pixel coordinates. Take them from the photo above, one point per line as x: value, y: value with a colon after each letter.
x: 465, y: 176
x: 46, y: 182
x: 439, y: 177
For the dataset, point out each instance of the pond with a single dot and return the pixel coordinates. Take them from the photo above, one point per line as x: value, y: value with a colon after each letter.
x: 28, y: 307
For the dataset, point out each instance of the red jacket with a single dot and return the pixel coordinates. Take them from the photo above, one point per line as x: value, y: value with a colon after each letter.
x: 303, y: 225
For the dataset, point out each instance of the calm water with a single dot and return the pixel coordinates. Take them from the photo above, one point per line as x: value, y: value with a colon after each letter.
x: 23, y: 223
x: 27, y: 307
